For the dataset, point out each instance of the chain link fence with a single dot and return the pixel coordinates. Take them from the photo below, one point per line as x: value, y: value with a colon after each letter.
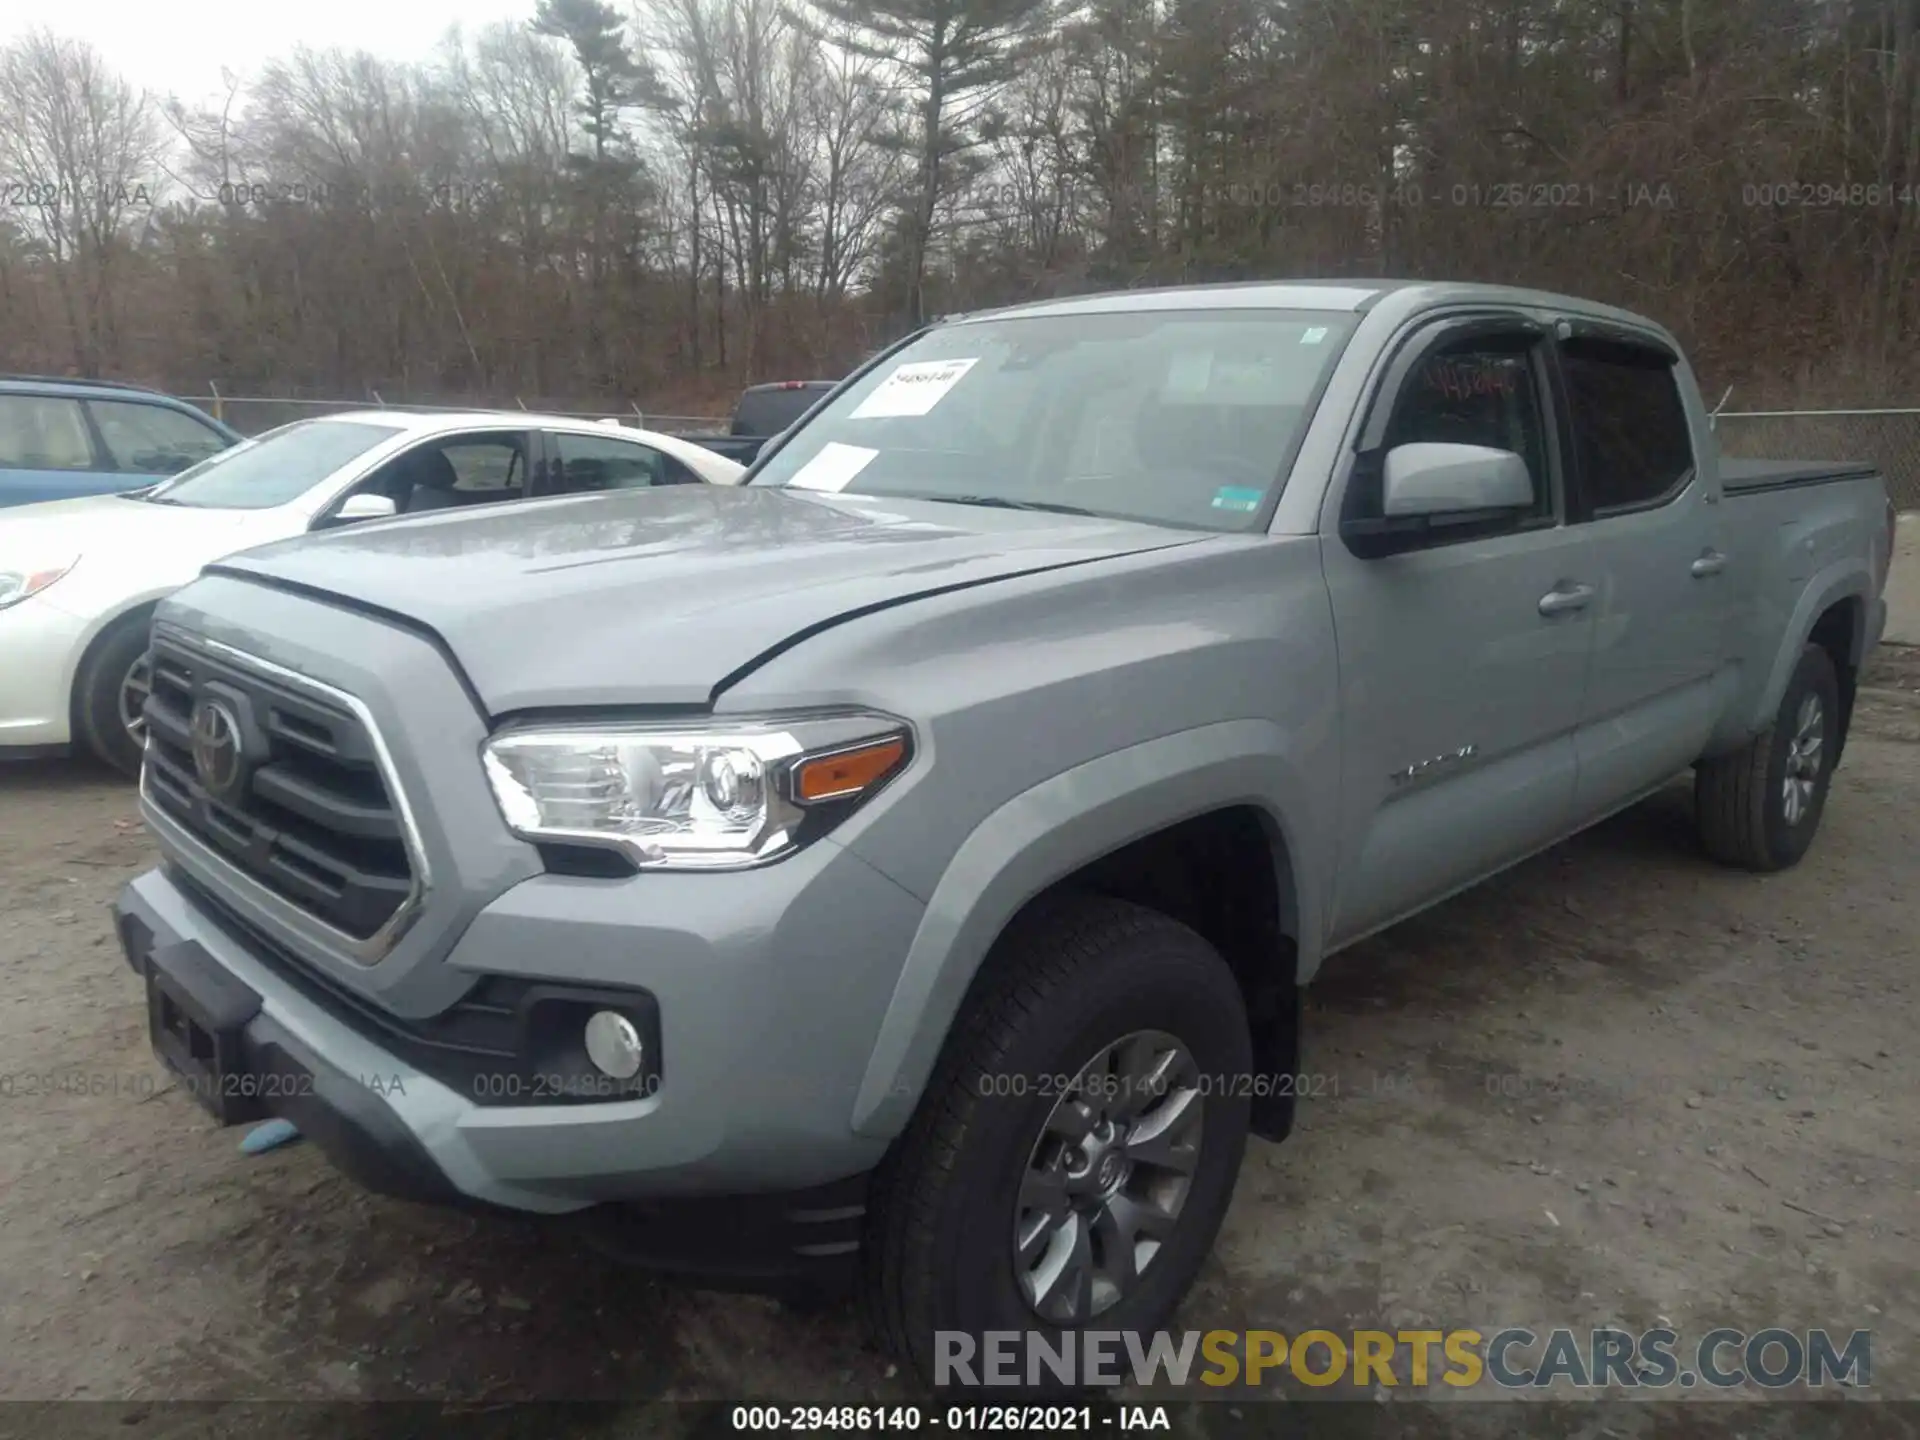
x: 252, y: 414
x: 1890, y: 439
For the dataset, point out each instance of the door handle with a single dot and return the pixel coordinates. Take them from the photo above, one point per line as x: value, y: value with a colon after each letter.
x: 1563, y: 598
x: 1712, y: 562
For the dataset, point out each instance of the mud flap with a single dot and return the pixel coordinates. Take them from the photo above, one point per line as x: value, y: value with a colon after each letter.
x: 1275, y: 1022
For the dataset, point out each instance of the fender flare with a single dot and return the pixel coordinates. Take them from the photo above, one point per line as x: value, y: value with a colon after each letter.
x: 1045, y: 834
x: 1844, y: 580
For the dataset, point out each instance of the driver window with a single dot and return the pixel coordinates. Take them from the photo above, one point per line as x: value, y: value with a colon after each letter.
x: 153, y: 440
x: 460, y: 470
x: 1481, y: 391
x: 488, y: 467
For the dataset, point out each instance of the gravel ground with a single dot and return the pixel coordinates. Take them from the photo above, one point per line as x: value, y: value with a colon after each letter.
x: 1615, y: 1085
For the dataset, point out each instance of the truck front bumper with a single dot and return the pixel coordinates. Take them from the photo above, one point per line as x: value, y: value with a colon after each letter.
x: 687, y: 1178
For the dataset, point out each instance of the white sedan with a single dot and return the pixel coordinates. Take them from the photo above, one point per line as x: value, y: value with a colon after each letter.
x: 79, y: 578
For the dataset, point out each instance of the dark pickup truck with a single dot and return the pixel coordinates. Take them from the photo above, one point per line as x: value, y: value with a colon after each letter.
x: 762, y: 413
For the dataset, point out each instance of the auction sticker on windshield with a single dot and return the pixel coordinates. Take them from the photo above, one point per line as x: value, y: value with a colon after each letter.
x: 913, y: 389
x: 833, y: 468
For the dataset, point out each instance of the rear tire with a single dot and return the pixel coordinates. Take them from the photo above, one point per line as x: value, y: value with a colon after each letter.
x: 1758, y: 808
x: 101, y: 689
x: 1135, y: 1201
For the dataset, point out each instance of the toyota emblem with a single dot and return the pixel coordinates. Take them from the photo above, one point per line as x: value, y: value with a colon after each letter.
x: 217, y: 756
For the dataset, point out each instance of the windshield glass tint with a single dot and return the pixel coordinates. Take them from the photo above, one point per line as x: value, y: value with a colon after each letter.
x: 274, y: 468
x: 1173, y: 417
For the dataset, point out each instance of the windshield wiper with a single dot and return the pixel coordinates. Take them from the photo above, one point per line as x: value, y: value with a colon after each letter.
x: 1002, y: 502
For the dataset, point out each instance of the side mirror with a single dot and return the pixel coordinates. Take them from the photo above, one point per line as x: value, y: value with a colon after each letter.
x: 1437, y: 480
x: 366, y: 506
x: 1427, y: 488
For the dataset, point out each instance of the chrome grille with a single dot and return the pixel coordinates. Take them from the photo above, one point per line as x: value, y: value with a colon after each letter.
x: 309, y: 816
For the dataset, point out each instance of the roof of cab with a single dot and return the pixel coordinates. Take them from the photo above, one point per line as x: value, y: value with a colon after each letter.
x: 1354, y: 295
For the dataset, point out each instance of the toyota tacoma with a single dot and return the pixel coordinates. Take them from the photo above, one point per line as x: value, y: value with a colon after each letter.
x: 901, y: 870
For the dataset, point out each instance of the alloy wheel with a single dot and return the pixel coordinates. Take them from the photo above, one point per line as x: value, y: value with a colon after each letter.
x: 1108, y: 1176
x: 134, y: 690
x: 1803, y: 760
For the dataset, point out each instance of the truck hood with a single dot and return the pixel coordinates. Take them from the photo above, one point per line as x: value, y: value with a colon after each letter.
x: 664, y: 596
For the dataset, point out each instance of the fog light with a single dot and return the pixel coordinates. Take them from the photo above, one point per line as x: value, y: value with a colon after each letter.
x: 614, y: 1045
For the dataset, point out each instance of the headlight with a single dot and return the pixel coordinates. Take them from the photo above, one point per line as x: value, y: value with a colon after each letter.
x: 18, y: 582
x: 715, y: 797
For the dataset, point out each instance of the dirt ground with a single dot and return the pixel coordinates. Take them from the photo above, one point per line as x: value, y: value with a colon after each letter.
x: 1616, y: 1085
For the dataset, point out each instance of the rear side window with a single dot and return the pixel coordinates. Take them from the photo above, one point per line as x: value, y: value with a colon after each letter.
x: 152, y: 439
x: 43, y: 432
x: 1630, y: 437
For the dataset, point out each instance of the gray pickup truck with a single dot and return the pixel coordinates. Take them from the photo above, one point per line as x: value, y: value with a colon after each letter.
x: 901, y: 870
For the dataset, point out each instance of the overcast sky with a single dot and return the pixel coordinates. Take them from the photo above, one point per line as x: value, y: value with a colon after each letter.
x: 180, y: 46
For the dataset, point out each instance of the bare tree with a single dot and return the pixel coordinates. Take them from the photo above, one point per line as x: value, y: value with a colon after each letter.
x: 84, y: 146
x: 853, y: 122
x: 528, y: 213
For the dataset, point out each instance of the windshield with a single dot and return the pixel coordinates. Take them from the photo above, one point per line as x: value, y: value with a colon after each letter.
x: 271, y: 469
x: 1173, y: 417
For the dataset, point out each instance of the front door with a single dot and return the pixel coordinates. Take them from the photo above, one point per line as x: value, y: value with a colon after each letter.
x: 47, y: 452
x: 1461, y: 663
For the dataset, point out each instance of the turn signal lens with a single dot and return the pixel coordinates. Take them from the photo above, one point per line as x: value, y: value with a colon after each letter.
x: 835, y: 777
x: 17, y: 585
x: 724, y: 796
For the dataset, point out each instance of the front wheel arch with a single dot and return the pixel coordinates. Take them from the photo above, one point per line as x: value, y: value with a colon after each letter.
x: 945, y: 1246
x: 139, y: 615
x: 1037, y: 841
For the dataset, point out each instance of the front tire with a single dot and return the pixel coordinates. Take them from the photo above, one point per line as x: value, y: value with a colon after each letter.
x: 106, y: 693
x: 1075, y: 1151
x: 1758, y: 808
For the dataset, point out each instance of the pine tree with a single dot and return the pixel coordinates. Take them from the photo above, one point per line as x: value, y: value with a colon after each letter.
x: 615, y: 79
x: 959, y: 52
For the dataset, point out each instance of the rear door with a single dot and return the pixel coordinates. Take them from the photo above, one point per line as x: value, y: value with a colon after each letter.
x: 1461, y: 663
x: 1652, y: 523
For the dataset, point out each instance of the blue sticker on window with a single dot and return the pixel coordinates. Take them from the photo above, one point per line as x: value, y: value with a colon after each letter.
x: 1235, y: 497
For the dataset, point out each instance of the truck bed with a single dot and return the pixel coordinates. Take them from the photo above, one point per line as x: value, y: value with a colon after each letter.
x: 1740, y: 477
